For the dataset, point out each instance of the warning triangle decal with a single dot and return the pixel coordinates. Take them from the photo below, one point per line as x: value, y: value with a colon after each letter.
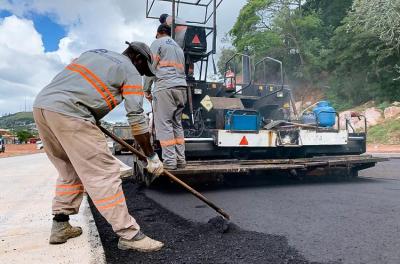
x: 244, y: 141
x: 196, y: 40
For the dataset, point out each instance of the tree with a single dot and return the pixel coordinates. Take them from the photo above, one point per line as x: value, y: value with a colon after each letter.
x: 280, y: 29
x: 379, y: 17
x: 226, y: 54
x: 24, y: 135
x: 351, y: 47
x: 361, y: 65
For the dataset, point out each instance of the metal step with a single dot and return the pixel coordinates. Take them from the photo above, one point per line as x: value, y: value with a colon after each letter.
x: 244, y: 166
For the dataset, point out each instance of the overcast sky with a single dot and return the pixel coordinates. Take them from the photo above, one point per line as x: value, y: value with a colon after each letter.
x: 39, y: 37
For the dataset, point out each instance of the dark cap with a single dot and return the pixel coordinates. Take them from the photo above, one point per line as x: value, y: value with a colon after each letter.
x: 163, y: 18
x: 164, y: 29
x: 145, y: 51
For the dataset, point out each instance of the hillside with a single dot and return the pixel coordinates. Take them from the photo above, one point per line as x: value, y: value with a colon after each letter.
x: 17, y: 120
x: 387, y: 132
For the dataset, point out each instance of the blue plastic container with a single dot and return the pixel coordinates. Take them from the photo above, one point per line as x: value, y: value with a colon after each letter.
x: 325, y: 113
x: 242, y: 121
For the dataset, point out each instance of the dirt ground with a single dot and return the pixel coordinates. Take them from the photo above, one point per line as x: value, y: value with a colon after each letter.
x: 379, y: 148
x: 188, y: 242
x: 20, y: 149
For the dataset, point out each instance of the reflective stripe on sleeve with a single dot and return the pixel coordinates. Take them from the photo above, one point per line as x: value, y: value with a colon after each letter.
x: 95, y: 81
x: 135, y: 89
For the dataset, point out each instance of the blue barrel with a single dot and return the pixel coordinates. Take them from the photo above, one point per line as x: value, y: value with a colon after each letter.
x: 325, y: 113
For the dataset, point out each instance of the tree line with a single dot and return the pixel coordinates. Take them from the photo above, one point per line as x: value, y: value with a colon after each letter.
x: 347, y: 48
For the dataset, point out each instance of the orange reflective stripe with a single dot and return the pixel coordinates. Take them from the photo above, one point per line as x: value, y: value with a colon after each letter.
x: 69, y: 67
x: 137, y: 127
x: 94, y: 76
x: 170, y: 64
x: 180, y: 141
x: 69, y: 192
x: 166, y: 143
x: 109, y: 198
x: 67, y: 186
x: 132, y: 87
x: 137, y: 90
x: 134, y: 93
x: 111, y: 204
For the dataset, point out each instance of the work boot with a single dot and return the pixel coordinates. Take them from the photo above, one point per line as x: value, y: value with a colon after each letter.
x: 62, y: 231
x: 140, y: 242
x: 169, y: 167
x: 181, y: 165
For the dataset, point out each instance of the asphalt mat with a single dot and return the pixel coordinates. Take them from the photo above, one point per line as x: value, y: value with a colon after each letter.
x: 189, y: 242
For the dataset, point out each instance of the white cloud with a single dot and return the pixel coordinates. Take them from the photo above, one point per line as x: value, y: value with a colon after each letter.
x: 24, y: 65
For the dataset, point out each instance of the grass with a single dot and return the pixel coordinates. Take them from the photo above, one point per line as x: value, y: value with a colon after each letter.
x: 387, y: 132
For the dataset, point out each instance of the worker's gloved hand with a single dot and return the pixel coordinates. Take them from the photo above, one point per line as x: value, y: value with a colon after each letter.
x: 148, y: 96
x: 154, y: 165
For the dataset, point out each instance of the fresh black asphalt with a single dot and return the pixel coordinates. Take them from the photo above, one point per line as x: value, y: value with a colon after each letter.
x: 325, y: 219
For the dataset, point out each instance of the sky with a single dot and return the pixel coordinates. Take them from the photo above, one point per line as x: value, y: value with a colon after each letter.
x: 39, y: 37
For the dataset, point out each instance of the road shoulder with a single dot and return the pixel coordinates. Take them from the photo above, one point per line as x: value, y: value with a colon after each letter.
x: 25, y: 216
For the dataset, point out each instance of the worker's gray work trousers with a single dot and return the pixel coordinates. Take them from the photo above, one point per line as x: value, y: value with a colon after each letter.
x: 168, y: 106
x: 79, y: 151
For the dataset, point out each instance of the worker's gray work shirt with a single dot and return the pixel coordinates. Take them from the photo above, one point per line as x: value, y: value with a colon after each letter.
x: 169, y: 65
x: 92, y: 85
x: 180, y: 30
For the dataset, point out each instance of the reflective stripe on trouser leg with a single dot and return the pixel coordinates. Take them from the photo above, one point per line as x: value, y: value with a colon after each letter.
x: 69, y: 189
x: 164, y: 107
x: 99, y: 172
x: 180, y: 100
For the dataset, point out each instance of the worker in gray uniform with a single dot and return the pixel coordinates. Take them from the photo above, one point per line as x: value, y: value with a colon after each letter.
x: 66, y: 112
x: 168, y: 96
x: 180, y: 28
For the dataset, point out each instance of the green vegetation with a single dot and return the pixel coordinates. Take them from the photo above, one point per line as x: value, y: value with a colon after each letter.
x: 349, y: 49
x: 386, y: 133
x: 16, y: 121
x: 24, y: 135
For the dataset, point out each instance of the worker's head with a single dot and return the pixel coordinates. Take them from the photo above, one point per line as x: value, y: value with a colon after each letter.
x: 140, y: 56
x: 163, y: 30
x: 163, y: 18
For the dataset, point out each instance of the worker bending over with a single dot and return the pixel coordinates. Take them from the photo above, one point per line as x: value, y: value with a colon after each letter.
x: 169, y: 97
x: 66, y: 112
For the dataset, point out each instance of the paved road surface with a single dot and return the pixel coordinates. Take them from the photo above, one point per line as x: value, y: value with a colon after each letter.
x: 354, y: 221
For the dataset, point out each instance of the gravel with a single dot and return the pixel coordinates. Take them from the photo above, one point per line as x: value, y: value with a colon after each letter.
x: 189, y: 242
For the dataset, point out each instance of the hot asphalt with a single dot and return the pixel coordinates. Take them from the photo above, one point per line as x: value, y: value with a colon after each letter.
x: 325, y: 219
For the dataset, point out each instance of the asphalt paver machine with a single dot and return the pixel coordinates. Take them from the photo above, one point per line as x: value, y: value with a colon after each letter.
x: 246, y: 121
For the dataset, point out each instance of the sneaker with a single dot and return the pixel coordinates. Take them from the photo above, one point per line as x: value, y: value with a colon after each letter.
x: 62, y: 231
x: 141, y: 243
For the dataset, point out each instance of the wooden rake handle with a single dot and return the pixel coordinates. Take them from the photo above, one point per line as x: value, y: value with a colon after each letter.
x: 167, y: 173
